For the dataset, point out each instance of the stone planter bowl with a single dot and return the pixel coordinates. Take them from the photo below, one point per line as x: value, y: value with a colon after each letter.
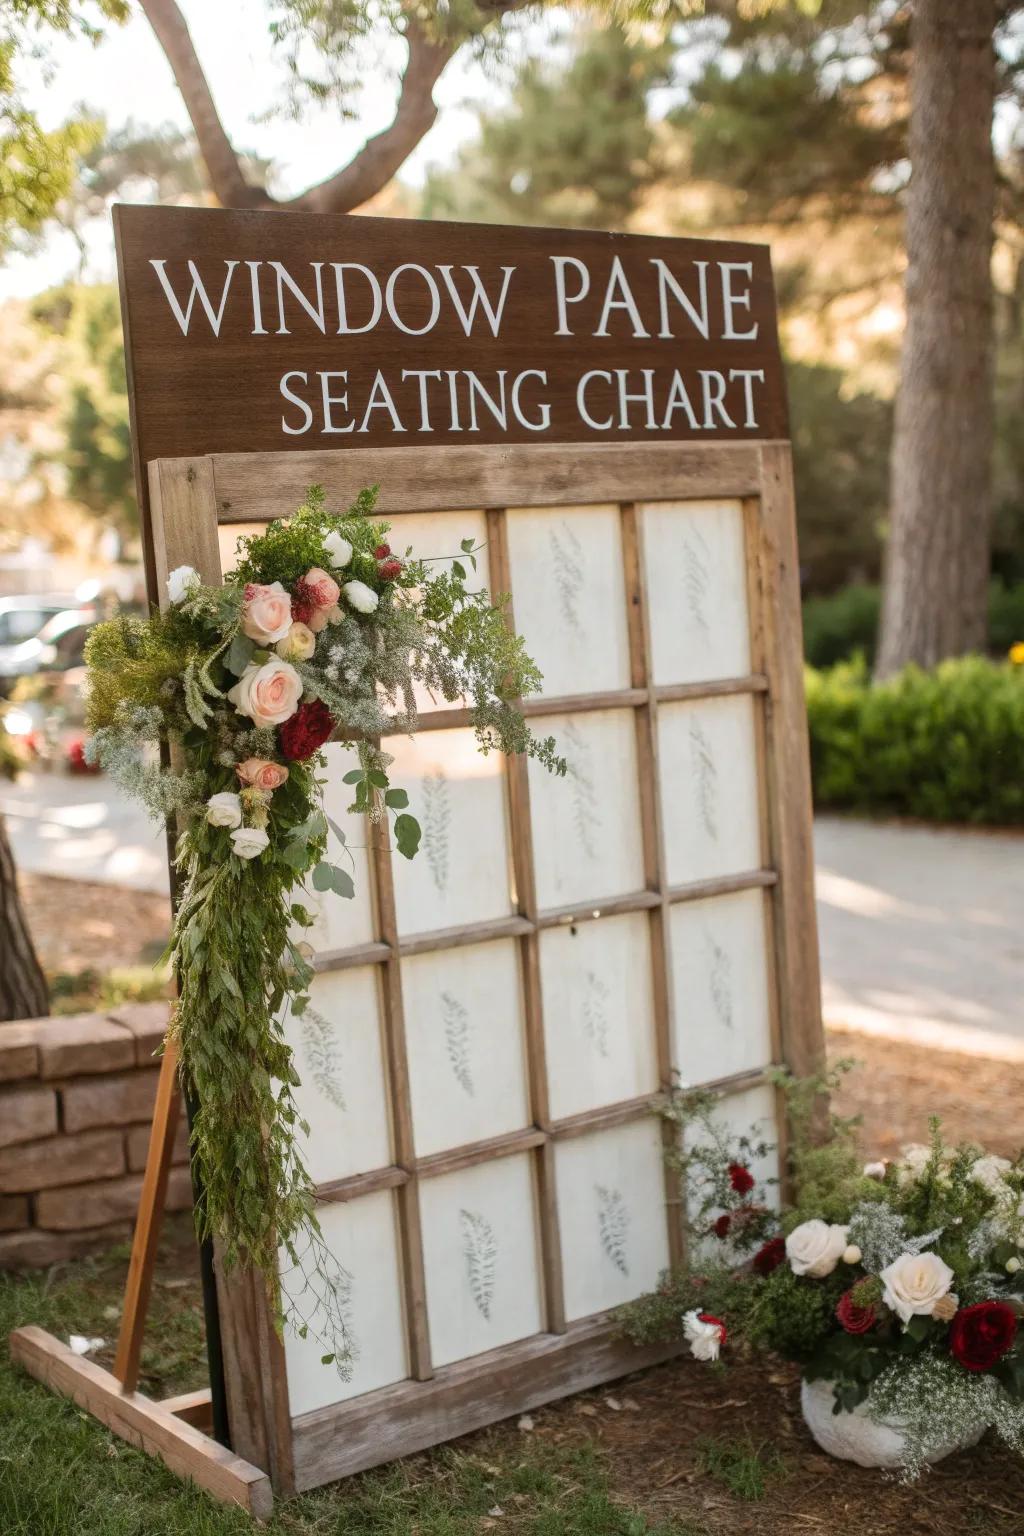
x: 856, y: 1437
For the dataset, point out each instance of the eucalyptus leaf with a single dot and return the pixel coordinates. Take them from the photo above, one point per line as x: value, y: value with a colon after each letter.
x: 397, y: 799
x: 407, y: 835
x: 239, y: 654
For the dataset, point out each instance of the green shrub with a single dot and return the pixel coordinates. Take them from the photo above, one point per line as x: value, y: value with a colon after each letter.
x: 945, y: 745
x: 836, y: 628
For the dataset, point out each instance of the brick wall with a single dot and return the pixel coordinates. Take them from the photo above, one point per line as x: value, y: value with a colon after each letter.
x: 76, y: 1099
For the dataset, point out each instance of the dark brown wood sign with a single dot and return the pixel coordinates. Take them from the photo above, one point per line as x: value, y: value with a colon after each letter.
x: 266, y: 331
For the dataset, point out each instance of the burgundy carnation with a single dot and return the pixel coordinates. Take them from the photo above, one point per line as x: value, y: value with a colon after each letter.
x: 741, y: 1178
x: 382, y: 551
x: 981, y: 1335
x: 303, y: 602
x: 855, y: 1319
x: 390, y: 569
x: 769, y: 1257
x: 306, y: 731
x: 722, y: 1225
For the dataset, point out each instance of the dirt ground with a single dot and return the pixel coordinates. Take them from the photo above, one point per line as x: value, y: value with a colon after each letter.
x: 76, y: 925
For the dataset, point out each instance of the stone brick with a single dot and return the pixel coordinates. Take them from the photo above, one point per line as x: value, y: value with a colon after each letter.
x: 96, y: 1205
x: 19, y: 1051
x: 26, y: 1114
x: 118, y: 1100
x: 61, y: 1160
x: 137, y: 1143
x: 147, y: 1022
x: 14, y: 1212
x: 84, y: 1042
x: 34, y: 1249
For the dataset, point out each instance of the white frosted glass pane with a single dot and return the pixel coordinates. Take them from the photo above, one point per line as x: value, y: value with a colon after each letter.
x: 696, y: 590
x: 611, y: 1212
x: 465, y: 1040
x: 437, y: 536
x: 720, y: 976
x: 480, y: 1250
x: 598, y: 1013
x: 586, y: 826
x: 461, y: 871
x: 568, y: 593
x: 343, y: 1093
x: 362, y: 1236
x: 708, y: 770
x: 343, y: 922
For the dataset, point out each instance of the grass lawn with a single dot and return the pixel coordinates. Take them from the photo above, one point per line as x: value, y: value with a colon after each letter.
x: 680, y: 1450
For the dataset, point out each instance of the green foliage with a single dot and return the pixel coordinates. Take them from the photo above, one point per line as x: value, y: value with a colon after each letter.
x: 838, y: 627
x: 741, y: 1467
x: 38, y: 165
x: 576, y: 146
x: 943, y: 745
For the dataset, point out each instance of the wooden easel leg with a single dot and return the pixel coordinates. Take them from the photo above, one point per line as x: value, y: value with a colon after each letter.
x: 152, y: 1202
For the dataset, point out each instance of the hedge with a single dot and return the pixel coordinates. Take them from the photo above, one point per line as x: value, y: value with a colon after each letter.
x: 945, y: 745
x: 837, y: 627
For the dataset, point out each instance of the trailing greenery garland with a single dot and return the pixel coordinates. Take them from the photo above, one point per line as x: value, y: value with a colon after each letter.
x: 320, y: 632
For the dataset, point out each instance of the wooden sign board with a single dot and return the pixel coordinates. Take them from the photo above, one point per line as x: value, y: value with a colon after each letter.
x: 492, y: 1021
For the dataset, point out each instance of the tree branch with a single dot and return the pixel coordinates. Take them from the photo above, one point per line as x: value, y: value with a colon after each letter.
x: 223, y: 166
x: 373, y: 166
x: 370, y: 169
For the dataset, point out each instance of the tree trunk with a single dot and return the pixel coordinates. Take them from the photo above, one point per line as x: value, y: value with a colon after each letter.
x: 23, y: 993
x: 937, y: 563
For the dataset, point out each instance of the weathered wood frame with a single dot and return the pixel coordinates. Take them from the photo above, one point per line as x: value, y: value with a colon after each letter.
x: 188, y: 499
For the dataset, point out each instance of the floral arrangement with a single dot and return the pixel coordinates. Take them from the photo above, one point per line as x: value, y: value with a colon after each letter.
x: 900, y: 1284
x: 321, y: 631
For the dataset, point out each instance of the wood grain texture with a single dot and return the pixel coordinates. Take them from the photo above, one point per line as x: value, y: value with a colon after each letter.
x: 155, y: 1428
x: 398, y: 1421
x: 254, y: 487
x: 146, y: 1238
x: 202, y: 384
x: 789, y: 771
x: 196, y: 1408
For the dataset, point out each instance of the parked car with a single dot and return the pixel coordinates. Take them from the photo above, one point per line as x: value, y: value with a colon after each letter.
x: 21, y: 618
x: 57, y: 647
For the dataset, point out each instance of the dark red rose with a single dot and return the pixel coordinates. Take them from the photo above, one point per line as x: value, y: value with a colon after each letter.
x: 981, y: 1335
x: 306, y: 731
x: 722, y: 1225
x: 855, y: 1319
x: 741, y: 1178
x: 390, y: 569
x: 382, y: 551
x: 769, y: 1257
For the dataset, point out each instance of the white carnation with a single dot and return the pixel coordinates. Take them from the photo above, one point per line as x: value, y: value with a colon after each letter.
x: 337, y: 550
x: 362, y: 598
x: 224, y: 810
x: 181, y: 581
x: 704, y: 1337
x: 815, y: 1247
x: 249, y: 842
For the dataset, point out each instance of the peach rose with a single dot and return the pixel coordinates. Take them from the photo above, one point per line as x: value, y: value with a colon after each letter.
x: 298, y: 644
x: 323, y: 590
x: 268, y: 694
x: 266, y: 613
x: 262, y: 774
x: 318, y: 619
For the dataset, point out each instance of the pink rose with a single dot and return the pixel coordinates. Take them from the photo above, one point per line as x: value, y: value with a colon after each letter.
x: 268, y: 694
x: 266, y: 613
x: 318, y: 619
x: 262, y: 774
x: 323, y: 591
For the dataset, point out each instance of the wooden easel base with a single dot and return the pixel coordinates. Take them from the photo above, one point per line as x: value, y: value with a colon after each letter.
x: 169, y: 1430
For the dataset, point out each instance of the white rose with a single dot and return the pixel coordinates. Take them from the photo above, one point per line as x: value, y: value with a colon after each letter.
x: 298, y: 644
x: 704, y: 1336
x: 989, y: 1171
x: 363, y: 598
x: 181, y: 582
x: 337, y: 550
x: 268, y: 694
x: 814, y: 1248
x: 914, y: 1283
x: 224, y: 810
x: 249, y: 842
x: 874, y: 1170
